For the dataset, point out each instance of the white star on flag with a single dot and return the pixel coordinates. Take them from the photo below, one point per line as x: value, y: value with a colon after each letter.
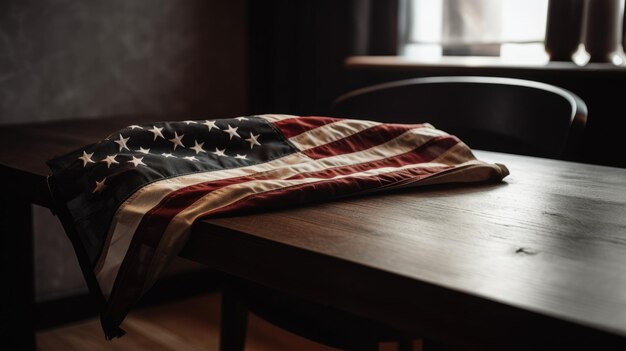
x: 122, y: 143
x: 253, y: 140
x: 211, y: 125
x: 232, y: 132
x: 177, y: 140
x: 86, y: 158
x: 242, y: 157
x: 157, y: 132
x: 190, y: 158
x: 167, y: 155
x: 99, y: 186
x: 198, y: 147
x: 109, y: 160
x: 143, y: 151
x: 134, y: 126
x: 219, y: 152
x: 242, y: 118
x: 137, y: 161
x: 190, y: 122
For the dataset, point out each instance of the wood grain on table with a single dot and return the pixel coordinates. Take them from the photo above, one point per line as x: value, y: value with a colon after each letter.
x: 537, y: 257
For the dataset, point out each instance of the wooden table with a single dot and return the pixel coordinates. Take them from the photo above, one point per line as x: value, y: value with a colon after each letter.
x: 537, y: 262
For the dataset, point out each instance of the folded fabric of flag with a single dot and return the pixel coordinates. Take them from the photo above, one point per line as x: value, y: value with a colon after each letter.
x: 129, y: 201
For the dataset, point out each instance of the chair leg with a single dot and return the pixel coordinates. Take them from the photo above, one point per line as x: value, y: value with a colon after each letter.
x: 234, y: 322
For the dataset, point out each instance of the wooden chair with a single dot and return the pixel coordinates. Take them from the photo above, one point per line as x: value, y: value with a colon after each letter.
x: 488, y: 113
x: 500, y: 114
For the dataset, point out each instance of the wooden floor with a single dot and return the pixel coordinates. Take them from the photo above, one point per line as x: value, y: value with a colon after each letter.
x: 185, y: 325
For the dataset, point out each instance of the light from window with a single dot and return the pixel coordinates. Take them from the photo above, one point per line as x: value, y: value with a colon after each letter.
x: 514, y: 30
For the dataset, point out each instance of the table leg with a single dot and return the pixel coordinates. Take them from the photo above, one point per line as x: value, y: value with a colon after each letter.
x: 17, y: 330
x: 234, y: 321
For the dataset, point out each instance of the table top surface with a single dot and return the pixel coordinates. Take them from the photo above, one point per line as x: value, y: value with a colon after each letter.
x: 549, y: 242
x: 550, y: 239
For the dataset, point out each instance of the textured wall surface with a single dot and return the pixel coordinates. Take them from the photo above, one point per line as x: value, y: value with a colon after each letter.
x: 63, y: 59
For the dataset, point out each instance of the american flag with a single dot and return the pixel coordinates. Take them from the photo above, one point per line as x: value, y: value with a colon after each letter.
x: 128, y: 202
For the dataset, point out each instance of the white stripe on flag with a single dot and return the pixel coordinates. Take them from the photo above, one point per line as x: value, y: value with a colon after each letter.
x: 276, y: 118
x: 329, y: 133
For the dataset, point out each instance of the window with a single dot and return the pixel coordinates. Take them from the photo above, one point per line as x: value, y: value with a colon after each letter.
x: 513, y: 30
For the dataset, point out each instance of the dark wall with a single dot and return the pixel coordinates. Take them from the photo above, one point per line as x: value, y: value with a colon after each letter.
x: 296, y: 53
x: 298, y: 49
x: 63, y: 59
x: 69, y: 58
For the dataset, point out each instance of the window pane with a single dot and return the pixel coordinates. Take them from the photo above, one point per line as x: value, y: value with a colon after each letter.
x: 426, y: 21
x: 471, y: 22
x: 524, y: 20
x: 454, y: 23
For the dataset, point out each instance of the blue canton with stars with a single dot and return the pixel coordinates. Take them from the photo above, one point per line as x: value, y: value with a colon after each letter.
x: 96, y: 179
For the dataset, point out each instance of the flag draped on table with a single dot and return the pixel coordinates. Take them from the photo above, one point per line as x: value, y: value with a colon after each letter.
x: 128, y: 202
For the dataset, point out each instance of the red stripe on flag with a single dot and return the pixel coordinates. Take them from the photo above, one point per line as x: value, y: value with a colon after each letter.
x: 155, y: 221
x: 294, y: 126
x: 362, y: 140
x: 425, y: 153
x: 324, y: 190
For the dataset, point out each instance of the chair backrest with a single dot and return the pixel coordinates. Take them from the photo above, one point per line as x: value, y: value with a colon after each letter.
x: 488, y: 113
